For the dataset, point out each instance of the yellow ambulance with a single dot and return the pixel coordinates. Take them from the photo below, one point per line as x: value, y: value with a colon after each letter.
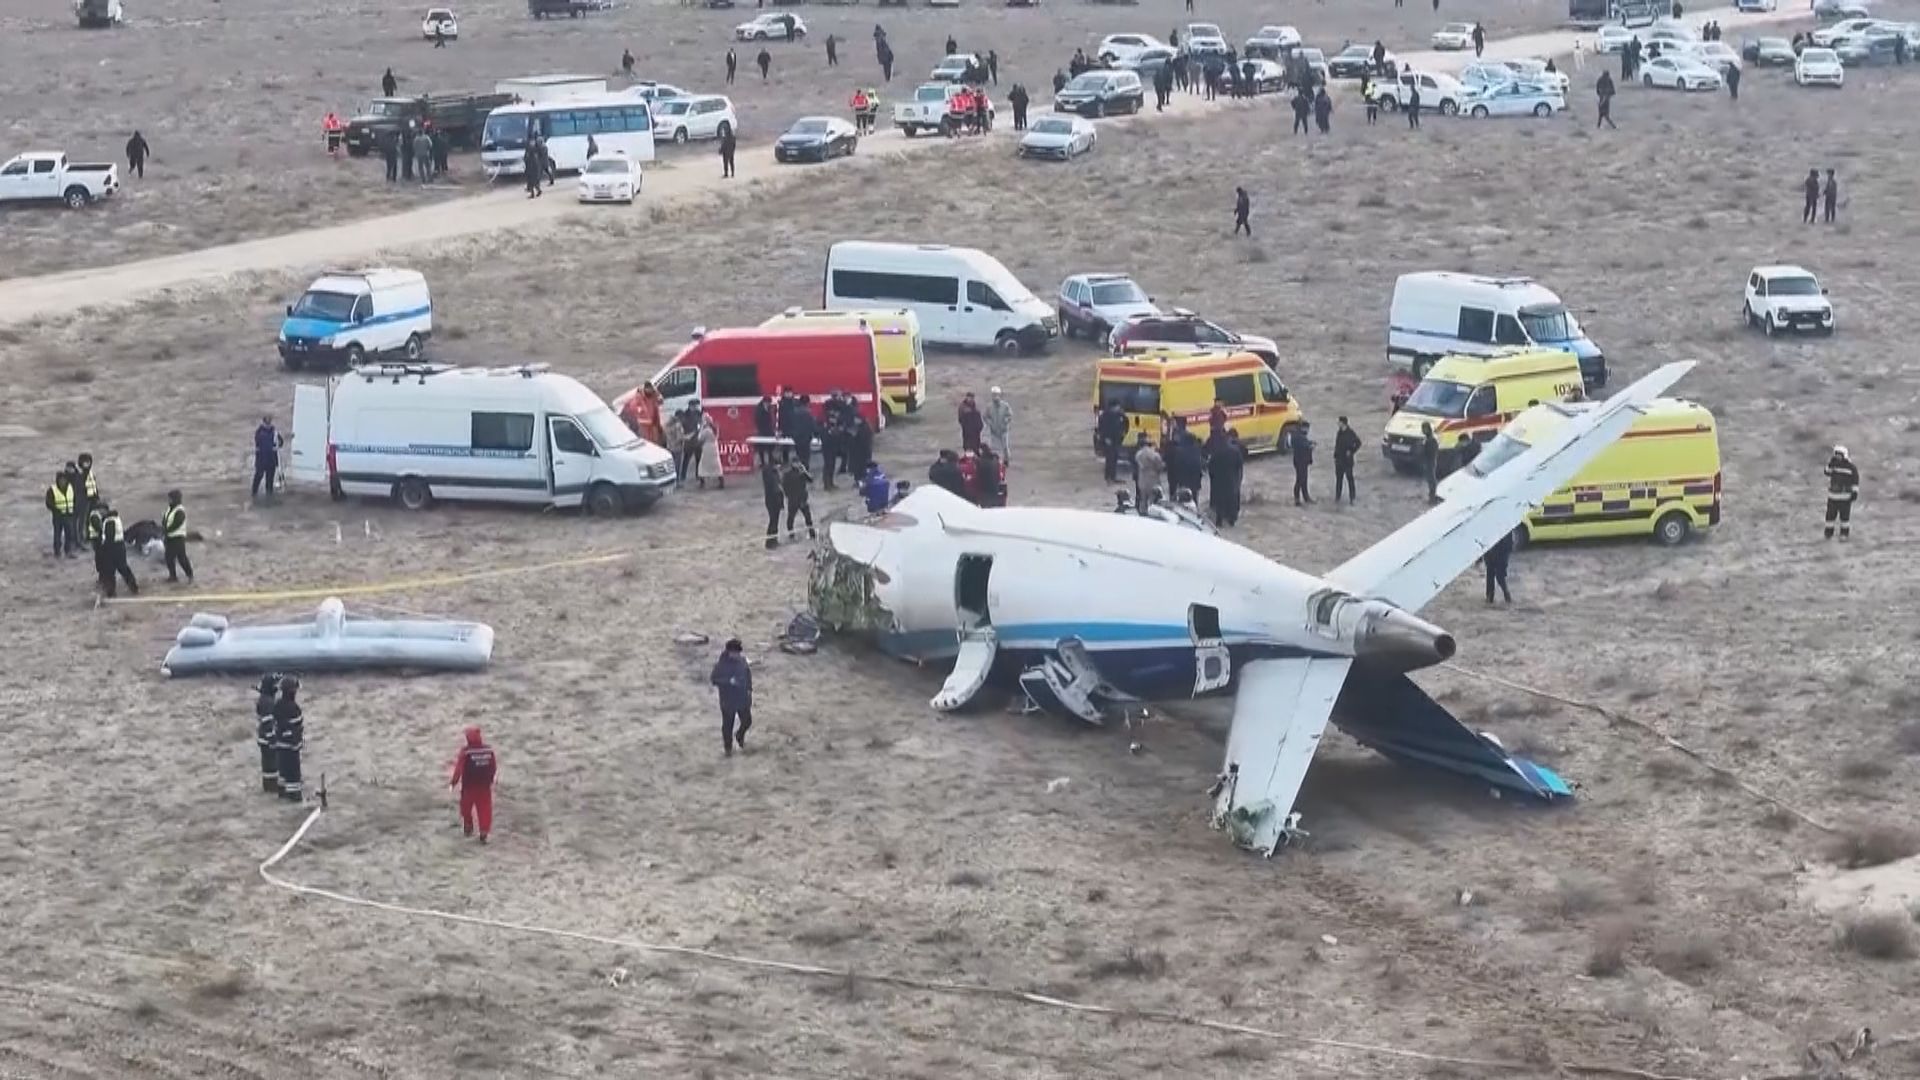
x: 897, y: 350
x: 1660, y: 479
x: 1183, y: 383
x: 1470, y: 397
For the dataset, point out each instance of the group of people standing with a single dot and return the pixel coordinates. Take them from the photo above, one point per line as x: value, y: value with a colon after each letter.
x: 80, y: 513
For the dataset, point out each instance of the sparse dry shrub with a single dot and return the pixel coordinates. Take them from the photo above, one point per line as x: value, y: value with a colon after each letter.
x: 1879, y: 936
x: 1579, y: 894
x: 1607, y: 957
x: 967, y: 879
x: 1865, y: 768
x: 1668, y: 589
x: 1640, y: 883
x: 1872, y: 844
x: 1688, y: 953
x: 1132, y: 963
x: 1371, y: 200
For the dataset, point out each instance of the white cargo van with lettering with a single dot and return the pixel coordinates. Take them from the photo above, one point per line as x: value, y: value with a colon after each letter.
x: 1440, y: 313
x: 962, y: 297
x: 415, y: 433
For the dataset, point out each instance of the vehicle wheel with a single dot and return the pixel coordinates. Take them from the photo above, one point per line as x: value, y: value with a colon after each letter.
x: 1672, y: 528
x: 1099, y: 109
x: 680, y: 137
x: 356, y: 151
x: 1747, y: 311
x: 292, y: 363
x: 356, y: 356
x: 1403, y: 467
x: 1066, y: 325
x: 946, y: 127
x: 1481, y: 111
x: 1281, y: 441
x: 723, y: 130
x: 1007, y: 343
x: 1770, y: 325
x: 603, y: 500
x: 76, y: 198
x: 1390, y: 104
x: 1646, y: 81
x: 412, y: 494
x: 1099, y: 331
x: 415, y: 348
x: 1543, y: 110
x: 852, y: 145
x: 886, y: 410
x: 759, y: 35
x: 909, y: 131
x: 1449, y: 107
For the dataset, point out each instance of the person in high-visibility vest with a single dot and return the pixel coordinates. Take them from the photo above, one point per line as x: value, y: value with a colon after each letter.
x: 112, y: 560
x: 173, y: 526
x: 60, y: 505
x: 334, y: 131
x: 86, y: 493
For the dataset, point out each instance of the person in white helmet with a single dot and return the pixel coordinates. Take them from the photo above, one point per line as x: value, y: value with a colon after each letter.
x: 1000, y: 426
x: 1843, y: 486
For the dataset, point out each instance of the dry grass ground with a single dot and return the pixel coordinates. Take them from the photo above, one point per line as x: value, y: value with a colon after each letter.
x: 231, y: 94
x: 1655, y: 922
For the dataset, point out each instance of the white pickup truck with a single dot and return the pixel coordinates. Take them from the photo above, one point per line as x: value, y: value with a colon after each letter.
x: 931, y: 109
x: 46, y: 177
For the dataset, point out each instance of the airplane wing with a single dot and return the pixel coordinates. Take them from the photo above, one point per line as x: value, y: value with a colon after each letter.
x: 1410, y: 567
x: 1279, y: 713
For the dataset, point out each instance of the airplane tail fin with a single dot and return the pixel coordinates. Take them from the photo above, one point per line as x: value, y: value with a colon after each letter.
x: 1392, y: 715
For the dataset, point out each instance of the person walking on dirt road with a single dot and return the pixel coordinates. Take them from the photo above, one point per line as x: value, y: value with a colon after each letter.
x: 733, y: 63
x: 474, y: 769
x: 727, y: 146
x: 137, y: 150
x: 765, y: 60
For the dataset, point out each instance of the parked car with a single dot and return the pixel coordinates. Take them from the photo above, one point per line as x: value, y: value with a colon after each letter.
x: 1612, y: 38
x: 1679, y: 73
x: 1093, y: 304
x: 1439, y: 93
x: 1717, y: 55
x: 1101, y: 93
x: 1203, y: 39
x: 610, y: 178
x: 1147, y: 62
x: 1841, y: 9
x: 50, y: 177
x: 1874, y: 46
x: 1534, y: 71
x: 1768, y: 52
x: 1825, y: 36
x: 1271, y: 42
x: 650, y: 92
x: 1754, y: 6
x: 696, y: 116
x: 1781, y: 298
x: 1485, y: 73
x: 816, y: 138
x: 1513, y: 99
x: 1819, y: 67
x: 1183, y: 327
x: 1057, y: 137
x: 1453, y: 37
x: 1312, y: 62
x: 1266, y: 76
x: 954, y: 68
x: 1115, y: 48
x: 439, y: 23
x: 771, y: 26
x: 930, y: 109
x: 1354, y: 61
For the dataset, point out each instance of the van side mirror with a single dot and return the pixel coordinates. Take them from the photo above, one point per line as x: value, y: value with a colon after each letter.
x: 289, y: 311
x: 1823, y: 290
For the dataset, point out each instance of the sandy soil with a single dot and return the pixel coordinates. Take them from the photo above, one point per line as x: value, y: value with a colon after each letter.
x: 864, y: 832
x: 231, y: 94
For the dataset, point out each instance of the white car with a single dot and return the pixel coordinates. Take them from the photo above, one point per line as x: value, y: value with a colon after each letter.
x: 1484, y: 73
x: 1453, y: 37
x: 1439, y: 92
x: 610, y: 178
x: 943, y: 3
x: 49, y: 175
x: 1204, y: 39
x: 1612, y: 39
x: 773, y: 26
x: 1819, y: 67
x: 1535, y: 71
x: 954, y: 68
x: 695, y: 116
x: 1679, y: 73
x: 1781, y: 298
x: 1121, y: 48
x: 439, y: 23
x: 651, y: 92
x: 1841, y: 9
x: 1754, y: 6
x: 1824, y: 37
x: 1513, y: 99
x: 1718, y: 55
x: 1057, y: 136
x: 1273, y: 40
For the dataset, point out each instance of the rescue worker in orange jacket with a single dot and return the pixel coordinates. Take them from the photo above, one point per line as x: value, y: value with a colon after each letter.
x: 473, y: 773
x: 334, y: 131
x: 861, y: 103
x: 642, y: 414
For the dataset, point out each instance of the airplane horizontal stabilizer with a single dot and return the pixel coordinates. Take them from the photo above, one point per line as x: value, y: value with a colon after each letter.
x: 1280, y: 710
x: 1391, y: 714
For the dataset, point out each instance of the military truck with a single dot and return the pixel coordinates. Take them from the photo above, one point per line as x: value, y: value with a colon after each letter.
x: 461, y: 116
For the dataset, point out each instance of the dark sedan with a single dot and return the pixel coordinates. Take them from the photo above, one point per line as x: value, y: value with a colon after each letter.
x: 816, y: 138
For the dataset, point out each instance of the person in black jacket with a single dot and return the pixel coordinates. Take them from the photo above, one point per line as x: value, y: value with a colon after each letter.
x: 859, y: 445
x: 1300, y: 444
x: 289, y: 738
x: 1495, y: 560
x: 764, y: 429
x: 1346, y: 446
x: 1843, y: 487
x: 945, y: 473
x: 534, y: 163
x: 799, y: 426
x: 112, y: 557
x: 388, y: 84
x: 1110, y: 431
x: 1224, y: 470
x: 137, y: 151
x: 1017, y: 97
x: 794, y: 482
x: 770, y: 487
x: 263, y: 733
x: 1187, y: 462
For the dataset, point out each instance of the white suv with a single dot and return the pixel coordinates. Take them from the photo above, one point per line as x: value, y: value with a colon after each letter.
x: 699, y: 116
x: 1120, y: 48
x: 1782, y: 298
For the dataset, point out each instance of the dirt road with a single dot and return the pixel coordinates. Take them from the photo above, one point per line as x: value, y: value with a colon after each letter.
x: 64, y: 294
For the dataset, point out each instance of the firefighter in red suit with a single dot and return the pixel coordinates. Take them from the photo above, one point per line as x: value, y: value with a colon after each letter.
x: 473, y: 773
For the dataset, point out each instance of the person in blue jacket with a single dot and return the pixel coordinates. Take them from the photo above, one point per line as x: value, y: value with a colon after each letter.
x: 876, y: 489
x: 734, y: 679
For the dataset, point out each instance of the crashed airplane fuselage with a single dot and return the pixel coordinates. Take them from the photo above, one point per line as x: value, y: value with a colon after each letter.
x: 1095, y: 611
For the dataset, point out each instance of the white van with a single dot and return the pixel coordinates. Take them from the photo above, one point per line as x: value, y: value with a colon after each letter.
x: 1438, y: 313
x: 962, y: 297
x: 351, y: 316
x: 419, y: 432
